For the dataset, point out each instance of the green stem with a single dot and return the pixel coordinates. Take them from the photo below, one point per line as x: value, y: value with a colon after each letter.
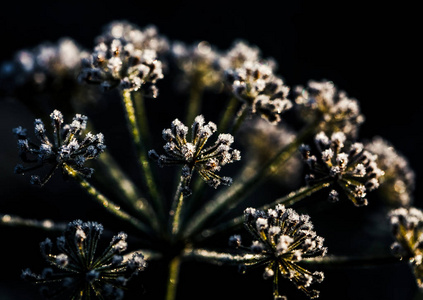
x: 106, y: 203
x: 194, y: 103
x: 223, y: 258
x: 176, y: 210
x: 137, y: 122
x: 228, y: 114
x: 124, y: 188
x: 355, y: 261
x: 243, y: 186
x: 240, y: 118
x: 287, y: 200
x: 16, y: 221
x: 172, y: 282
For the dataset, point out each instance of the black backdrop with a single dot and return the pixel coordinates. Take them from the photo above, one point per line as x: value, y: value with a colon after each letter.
x: 367, y: 49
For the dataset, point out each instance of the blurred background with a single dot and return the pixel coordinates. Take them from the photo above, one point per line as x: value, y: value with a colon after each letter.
x: 367, y: 49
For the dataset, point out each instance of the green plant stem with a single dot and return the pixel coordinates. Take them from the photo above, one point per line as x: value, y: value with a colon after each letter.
x: 287, y: 200
x: 106, y: 203
x: 176, y: 210
x: 16, y: 221
x: 135, y: 121
x: 223, y: 258
x: 240, y: 118
x: 355, y: 261
x: 173, y: 279
x: 228, y: 115
x: 194, y: 101
x: 124, y: 188
x: 243, y: 186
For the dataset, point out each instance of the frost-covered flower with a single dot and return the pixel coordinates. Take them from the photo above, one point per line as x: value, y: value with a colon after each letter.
x: 66, y: 147
x: 283, y: 238
x: 407, y: 228
x: 398, y: 181
x: 348, y: 167
x: 78, y: 271
x: 193, y: 155
x: 240, y: 53
x: 255, y: 84
x: 198, y: 63
x: 46, y: 73
x: 124, y: 57
x: 322, y: 101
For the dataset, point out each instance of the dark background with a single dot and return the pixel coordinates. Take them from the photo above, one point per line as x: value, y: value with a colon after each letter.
x: 369, y: 50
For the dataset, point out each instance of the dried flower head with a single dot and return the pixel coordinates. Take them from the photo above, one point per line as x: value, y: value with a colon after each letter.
x: 407, y: 228
x: 148, y: 38
x: 240, y: 53
x: 264, y: 93
x: 348, y: 167
x: 193, y: 155
x: 322, y: 101
x: 66, y: 147
x: 284, y: 238
x: 198, y: 63
x: 398, y: 181
x: 77, y: 271
x: 124, y: 58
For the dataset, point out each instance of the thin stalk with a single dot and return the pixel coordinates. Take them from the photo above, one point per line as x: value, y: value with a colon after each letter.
x: 223, y: 258
x: 105, y: 202
x: 176, y: 210
x: 287, y: 200
x: 228, y: 115
x: 240, y: 118
x: 355, y: 261
x: 173, y: 280
x: 232, y: 196
x: 124, y: 188
x: 16, y: 221
x: 194, y: 101
x: 136, y: 133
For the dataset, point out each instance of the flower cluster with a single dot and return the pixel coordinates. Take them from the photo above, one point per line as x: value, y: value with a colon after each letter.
x: 398, y: 181
x: 348, y: 168
x: 198, y: 63
x: 65, y: 148
x: 407, y: 228
x: 284, y: 238
x: 125, y: 57
x: 77, y: 271
x: 253, y: 81
x: 322, y: 101
x: 193, y: 156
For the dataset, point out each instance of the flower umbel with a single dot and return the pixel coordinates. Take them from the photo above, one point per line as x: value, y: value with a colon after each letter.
x: 78, y: 272
x: 284, y: 238
x: 350, y: 169
x: 193, y: 156
x: 66, y: 148
x: 407, y: 228
x: 123, y: 58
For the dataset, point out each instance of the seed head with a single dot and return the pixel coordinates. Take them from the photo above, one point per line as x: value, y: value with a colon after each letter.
x: 125, y: 57
x: 348, y: 168
x: 398, y: 181
x: 255, y: 84
x: 66, y: 148
x: 78, y: 270
x: 193, y: 155
x: 285, y: 238
x: 322, y: 101
x: 407, y: 228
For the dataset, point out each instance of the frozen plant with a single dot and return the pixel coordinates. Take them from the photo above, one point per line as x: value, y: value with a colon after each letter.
x: 182, y: 204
